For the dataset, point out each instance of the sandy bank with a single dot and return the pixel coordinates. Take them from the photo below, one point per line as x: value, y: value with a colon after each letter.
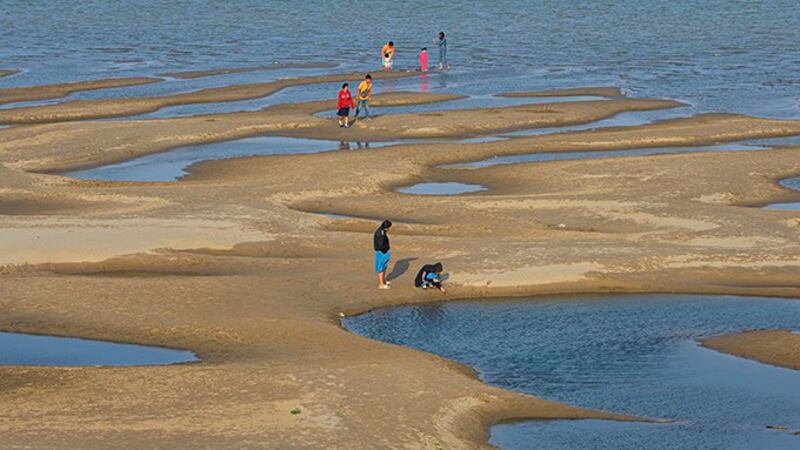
x: 261, y: 308
x: 601, y: 91
x: 193, y: 74
x: 776, y: 347
x: 102, y: 108
x: 48, y: 91
x: 5, y: 73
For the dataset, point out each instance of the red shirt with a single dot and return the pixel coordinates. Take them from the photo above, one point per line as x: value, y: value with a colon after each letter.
x: 345, y: 100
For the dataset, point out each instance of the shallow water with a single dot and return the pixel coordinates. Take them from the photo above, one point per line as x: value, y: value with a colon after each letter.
x: 170, y: 165
x: 722, y: 55
x: 35, y: 350
x: 791, y: 183
x: 448, y: 188
x: 569, y: 156
x: 634, y: 354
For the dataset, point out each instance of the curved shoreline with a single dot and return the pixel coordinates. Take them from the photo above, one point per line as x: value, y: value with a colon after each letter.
x: 194, y: 74
x: 51, y: 91
x: 268, y: 282
x: 775, y: 347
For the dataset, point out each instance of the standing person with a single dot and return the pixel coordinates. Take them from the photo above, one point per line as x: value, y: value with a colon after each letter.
x: 423, y: 59
x: 442, y: 43
x: 382, y: 253
x: 364, y: 95
x: 387, y: 54
x: 343, y: 105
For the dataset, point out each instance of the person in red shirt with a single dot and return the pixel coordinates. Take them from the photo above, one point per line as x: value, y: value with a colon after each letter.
x: 343, y: 105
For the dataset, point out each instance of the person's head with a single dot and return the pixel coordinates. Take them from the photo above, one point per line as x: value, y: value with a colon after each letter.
x: 424, y: 49
x: 441, y: 35
x: 438, y: 268
x: 345, y: 86
x: 386, y: 224
x: 391, y: 44
x: 368, y: 77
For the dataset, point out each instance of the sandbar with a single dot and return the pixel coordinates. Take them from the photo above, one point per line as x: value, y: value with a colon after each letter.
x: 776, y: 347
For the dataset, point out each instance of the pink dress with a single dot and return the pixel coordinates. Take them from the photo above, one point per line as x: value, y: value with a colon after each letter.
x: 423, y: 61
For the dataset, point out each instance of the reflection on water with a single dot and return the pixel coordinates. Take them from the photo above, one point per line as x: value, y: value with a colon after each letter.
x: 26, y: 349
x: 347, y: 145
x: 634, y: 354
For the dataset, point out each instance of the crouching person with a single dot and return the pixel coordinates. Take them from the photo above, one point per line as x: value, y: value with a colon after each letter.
x: 430, y: 275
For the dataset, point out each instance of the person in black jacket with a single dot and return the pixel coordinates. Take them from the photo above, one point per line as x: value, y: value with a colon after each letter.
x: 382, y: 253
x: 430, y: 276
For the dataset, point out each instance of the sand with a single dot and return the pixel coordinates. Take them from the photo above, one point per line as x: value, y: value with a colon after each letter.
x: 777, y: 347
x: 7, y: 72
x: 49, y: 91
x: 233, y: 263
x: 194, y: 74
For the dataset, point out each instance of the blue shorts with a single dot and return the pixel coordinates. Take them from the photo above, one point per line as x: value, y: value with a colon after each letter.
x: 382, y: 261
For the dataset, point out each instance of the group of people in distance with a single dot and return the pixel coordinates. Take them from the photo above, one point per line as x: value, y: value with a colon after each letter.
x: 345, y: 100
x: 387, y: 54
x: 428, y: 276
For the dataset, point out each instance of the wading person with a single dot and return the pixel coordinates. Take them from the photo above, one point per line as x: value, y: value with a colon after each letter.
x: 382, y: 253
x: 343, y: 105
x: 364, y: 96
x: 430, y: 276
x: 387, y: 55
x: 423, y: 60
x: 442, y: 43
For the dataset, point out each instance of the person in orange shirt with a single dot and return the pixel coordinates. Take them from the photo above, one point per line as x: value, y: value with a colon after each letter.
x: 387, y: 54
x: 364, y: 96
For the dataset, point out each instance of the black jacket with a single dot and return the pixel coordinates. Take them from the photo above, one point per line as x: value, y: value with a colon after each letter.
x: 426, y: 269
x: 381, y: 240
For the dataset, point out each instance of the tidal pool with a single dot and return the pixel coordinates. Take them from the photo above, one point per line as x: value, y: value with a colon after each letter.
x: 569, y: 156
x: 791, y: 183
x: 632, y: 354
x: 36, y: 350
x: 447, y: 188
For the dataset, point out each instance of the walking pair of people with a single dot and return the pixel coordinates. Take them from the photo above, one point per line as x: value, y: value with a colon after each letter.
x: 345, y: 101
x: 429, y: 276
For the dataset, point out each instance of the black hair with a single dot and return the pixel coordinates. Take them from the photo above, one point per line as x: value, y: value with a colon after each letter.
x: 438, y: 267
x: 391, y: 44
x: 345, y: 85
x: 441, y: 34
x: 424, y: 48
x: 386, y: 224
x: 369, y: 77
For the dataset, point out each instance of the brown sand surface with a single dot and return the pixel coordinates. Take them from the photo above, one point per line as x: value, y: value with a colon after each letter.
x: 193, y: 74
x: 776, y: 347
x: 233, y: 263
x: 7, y: 72
x: 103, y: 108
x: 48, y: 91
x: 600, y: 91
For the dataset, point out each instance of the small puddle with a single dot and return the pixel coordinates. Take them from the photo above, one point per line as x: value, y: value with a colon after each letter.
x: 36, y: 350
x: 569, y: 156
x: 448, y: 188
x: 791, y: 183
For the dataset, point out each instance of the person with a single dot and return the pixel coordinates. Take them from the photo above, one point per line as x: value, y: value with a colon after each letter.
x: 442, y: 42
x: 430, y: 275
x: 423, y: 59
x: 387, y: 54
x: 343, y: 105
x: 382, y: 253
x: 364, y: 95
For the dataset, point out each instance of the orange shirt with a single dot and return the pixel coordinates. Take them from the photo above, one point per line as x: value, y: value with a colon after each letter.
x: 365, y: 90
x: 387, y: 49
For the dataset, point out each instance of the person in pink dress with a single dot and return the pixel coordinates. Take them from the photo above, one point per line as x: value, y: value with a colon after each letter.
x: 423, y: 59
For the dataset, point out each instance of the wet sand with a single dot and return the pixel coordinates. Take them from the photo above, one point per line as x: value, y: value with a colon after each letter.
x: 49, y: 91
x: 5, y: 73
x: 601, y: 91
x: 239, y: 272
x: 776, y: 347
x: 194, y: 74
x: 104, y: 108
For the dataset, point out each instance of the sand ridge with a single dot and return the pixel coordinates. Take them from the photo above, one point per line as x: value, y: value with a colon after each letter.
x: 261, y: 308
